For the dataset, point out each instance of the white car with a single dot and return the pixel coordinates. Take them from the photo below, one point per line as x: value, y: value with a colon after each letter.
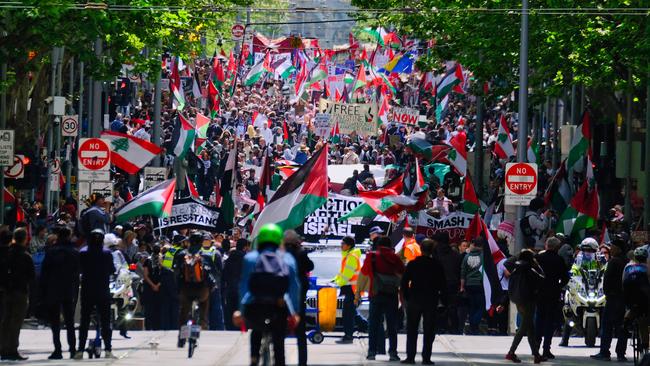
x: 327, y: 263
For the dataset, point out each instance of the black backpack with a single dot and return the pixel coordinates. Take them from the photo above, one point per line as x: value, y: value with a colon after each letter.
x: 527, y: 230
x: 270, y: 278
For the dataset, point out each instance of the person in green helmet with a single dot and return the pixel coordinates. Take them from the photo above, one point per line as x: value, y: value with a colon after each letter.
x: 269, y: 290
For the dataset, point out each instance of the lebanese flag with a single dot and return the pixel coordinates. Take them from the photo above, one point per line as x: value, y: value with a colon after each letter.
x: 156, y: 201
x: 191, y: 187
x: 504, y: 148
x: 130, y: 153
x: 492, y: 256
x: 457, y: 155
x: 259, y: 119
x: 299, y: 196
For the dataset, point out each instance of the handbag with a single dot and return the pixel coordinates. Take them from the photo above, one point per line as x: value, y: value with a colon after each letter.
x: 384, y: 284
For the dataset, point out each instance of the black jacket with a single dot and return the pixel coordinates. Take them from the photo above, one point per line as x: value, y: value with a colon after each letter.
x: 525, y: 282
x: 232, y: 271
x: 613, y: 277
x: 305, y: 265
x: 424, y: 281
x: 556, y: 276
x: 20, y: 269
x: 450, y: 261
x: 60, y: 274
x: 96, y: 270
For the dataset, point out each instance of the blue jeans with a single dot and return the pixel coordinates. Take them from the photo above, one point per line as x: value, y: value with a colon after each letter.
x: 612, y: 322
x: 216, y: 311
x: 476, y: 304
x: 382, y: 306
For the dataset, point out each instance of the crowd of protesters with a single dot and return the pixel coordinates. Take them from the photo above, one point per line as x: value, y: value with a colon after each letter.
x: 457, y: 305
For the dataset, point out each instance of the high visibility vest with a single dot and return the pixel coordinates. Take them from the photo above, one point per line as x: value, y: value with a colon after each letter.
x: 411, y: 250
x: 211, y: 251
x: 168, y: 259
x: 350, y: 265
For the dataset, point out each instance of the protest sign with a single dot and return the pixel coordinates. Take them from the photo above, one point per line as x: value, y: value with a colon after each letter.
x: 323, y: 223
x: 322, y: 124
x: 455, y: 224
x: 351, y: 116
x: 407, y: 116
x: 191, y: 213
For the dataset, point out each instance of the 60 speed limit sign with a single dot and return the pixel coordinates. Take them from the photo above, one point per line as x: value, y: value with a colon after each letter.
x: 70, y: 126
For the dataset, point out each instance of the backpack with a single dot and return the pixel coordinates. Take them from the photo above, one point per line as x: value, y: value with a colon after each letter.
x: 193, y: 271
x: 269, y: 280
x: 527, y: 230
x: 386, y: 284
x: 523, y: 284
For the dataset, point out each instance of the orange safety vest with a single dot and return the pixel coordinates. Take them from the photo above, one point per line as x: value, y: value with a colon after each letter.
x: 350, y: 265
x: 411, y: 249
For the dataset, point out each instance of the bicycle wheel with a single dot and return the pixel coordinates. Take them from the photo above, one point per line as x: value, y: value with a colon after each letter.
x: 191, y: 344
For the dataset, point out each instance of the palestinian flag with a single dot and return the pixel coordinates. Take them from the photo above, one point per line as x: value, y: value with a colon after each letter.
x: 471, y: 203
x: 178, y: 99
x: 299, y: 196
x: 183, y: 137
x: 582, y: 213
x: 580, y: 146
x: 156, y: 201
x: 260, y: 119
x: 283, y: 68
x: 363, y: 211
x: 426, y: 149
x: 492, y: 256
x: 532, y: 154
x: 558, y: 193
x: 130, y: 153
x: 451, y: 79
x: 202, y: 124
x: 257, y: 71
x: 335, y: 133
x: 301, y: 84
x: 348, y: 78
x: 377, y: 35
x: 191, y: 187
x: 319, y: 73
x: 227, y: 187
x: 441, y: 108
x: 457, y: 155
x: 427, y: 81
x: 382, y: 115
x: 504, y: 148
x: 360, y: 80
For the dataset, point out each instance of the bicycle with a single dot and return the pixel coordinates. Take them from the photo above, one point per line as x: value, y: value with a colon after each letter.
x: 192, y: 330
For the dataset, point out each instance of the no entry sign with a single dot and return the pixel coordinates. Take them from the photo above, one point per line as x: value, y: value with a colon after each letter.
x: 94, y: 154
x: 521, y: 183
x: 237, y: 32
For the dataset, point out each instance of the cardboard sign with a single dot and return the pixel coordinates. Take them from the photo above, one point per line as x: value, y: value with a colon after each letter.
x: 322, y: 125
x: 359, y: 118
x: 405, y: 116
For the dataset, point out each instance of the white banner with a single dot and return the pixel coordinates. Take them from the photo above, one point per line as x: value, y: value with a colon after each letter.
x: 351, y: 116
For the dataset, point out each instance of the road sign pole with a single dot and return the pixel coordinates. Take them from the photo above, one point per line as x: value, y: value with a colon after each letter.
x: 523, y: 111
x: 3, y: 124
x: 157, y: 100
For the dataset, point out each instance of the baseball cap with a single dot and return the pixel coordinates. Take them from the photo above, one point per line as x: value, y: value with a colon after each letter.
x: 376, y: 230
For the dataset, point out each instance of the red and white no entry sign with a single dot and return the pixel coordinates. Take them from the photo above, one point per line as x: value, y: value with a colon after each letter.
x: 94, y: 154
x: 521, y: 183
x: 237, y: 32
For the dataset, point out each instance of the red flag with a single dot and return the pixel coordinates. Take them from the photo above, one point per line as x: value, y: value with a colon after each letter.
x: 285, y: 131
x: 190, y: 186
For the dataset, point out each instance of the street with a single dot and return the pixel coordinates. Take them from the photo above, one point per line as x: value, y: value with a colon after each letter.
x: 231, y: 349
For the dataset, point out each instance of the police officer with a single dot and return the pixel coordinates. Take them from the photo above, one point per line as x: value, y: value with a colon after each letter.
x: 168, y: 286
x: 190, y: 285
x: 96, y: 265
x: 216, y: 307
x: 346, y: 279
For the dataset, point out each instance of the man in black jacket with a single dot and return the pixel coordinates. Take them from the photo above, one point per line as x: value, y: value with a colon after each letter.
x: 292, y: 243
x: 423, y: 285
x: 450, y: 260
x: 556, y: 276
x: 59, y: 286
x: 20, y: 275
x: 231, y: 275
x: 614, y: 312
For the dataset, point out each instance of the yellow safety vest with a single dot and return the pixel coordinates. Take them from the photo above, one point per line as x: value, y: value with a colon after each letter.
x: 168, y: 259
x: 350, y: 265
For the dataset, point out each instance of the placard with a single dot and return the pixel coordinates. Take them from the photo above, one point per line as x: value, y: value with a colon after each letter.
x: 322, y: 125
x: 406, y: 116
x: 153, y: 176
x: 351, y: 116
x: 6, y: 147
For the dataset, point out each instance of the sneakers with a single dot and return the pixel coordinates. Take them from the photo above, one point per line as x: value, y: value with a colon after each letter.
x: 79, y: 355
x: 109, y: 355
x: 344, y: 340
x: 56, y: 355
x: 124, y: 334
x: 539, y: 359
x: 513, y: 357
x: 393, y: 358
x: 601, y: 357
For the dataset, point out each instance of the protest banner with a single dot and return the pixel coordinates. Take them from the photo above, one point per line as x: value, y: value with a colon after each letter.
x: 193, y: 214
x: 322, y: 125
x: 407, y: 116
x: 455, y: 224
x: 324, y: 224
x: 351, y: 116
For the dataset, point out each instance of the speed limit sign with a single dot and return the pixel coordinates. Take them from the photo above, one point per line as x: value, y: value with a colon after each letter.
x: 70, y: 125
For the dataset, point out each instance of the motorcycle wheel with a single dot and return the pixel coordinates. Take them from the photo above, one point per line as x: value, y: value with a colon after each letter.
x: 591, y: 330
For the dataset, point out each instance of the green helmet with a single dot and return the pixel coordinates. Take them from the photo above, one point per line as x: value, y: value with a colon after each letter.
x: 270, y: 234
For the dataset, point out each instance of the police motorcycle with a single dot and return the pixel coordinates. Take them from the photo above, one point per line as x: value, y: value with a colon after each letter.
x: 584, y: 299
